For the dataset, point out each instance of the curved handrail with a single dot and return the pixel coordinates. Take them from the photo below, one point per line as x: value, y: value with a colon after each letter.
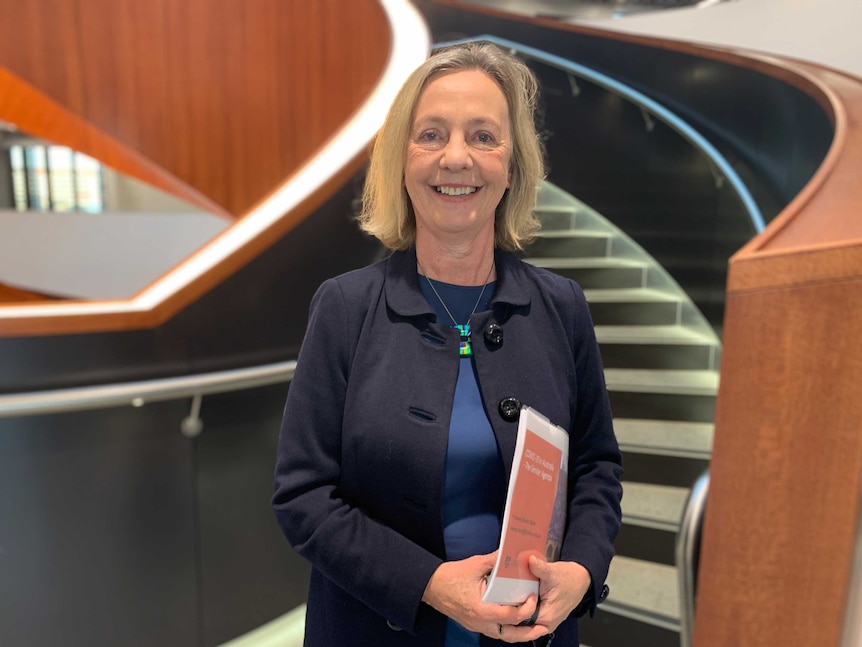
x: 642, y: 101
x: 139, y: 393
x: 687, y: 549
x: 852, y: 630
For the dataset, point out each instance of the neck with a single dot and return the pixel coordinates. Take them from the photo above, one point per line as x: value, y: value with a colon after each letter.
x: 458, y: 265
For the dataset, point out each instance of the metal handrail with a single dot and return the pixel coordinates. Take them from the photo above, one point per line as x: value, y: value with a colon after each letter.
x: 645, y: 103
x: 852, y: 631
x: 139, y: 393
x: 687, y: 555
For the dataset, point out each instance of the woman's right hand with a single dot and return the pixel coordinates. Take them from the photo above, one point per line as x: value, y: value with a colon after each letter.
x: 456, y: 589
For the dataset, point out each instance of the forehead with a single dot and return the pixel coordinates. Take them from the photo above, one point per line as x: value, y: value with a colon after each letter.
x: 462, y: 92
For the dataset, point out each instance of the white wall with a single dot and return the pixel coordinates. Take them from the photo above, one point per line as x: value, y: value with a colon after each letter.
x: 123, y: 193
x: 97, y: 256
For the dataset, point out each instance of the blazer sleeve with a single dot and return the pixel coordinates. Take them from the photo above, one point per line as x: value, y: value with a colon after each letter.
x: 595, y: 463
x: 369, y: 560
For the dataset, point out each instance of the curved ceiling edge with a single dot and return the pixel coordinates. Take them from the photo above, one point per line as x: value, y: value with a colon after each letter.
x: 277, y: 214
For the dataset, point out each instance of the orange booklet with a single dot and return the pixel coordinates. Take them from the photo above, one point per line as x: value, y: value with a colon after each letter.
x: 534, y: 519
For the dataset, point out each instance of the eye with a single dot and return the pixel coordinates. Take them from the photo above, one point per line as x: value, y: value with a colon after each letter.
x: 430, y: 139
x: 485, y: 139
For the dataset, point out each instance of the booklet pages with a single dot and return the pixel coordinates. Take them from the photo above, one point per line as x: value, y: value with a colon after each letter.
x: 534, y: 518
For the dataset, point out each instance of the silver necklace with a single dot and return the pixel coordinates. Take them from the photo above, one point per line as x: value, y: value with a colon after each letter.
x: 465, y: 348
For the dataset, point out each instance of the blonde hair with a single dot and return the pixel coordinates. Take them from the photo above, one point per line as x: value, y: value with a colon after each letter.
x: 387, y: 212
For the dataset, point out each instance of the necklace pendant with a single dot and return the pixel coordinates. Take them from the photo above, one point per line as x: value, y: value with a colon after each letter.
x: 465, y: 348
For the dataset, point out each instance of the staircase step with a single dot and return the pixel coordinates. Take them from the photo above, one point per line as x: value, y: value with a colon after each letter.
x: 665, y: 437
x: 592, y: 273
x: 560, y: 218
x: 648, y: 544
x: 610, y: 630
x: 653, y: 506
x: 663, y: 470
x: 674, y: 334
x: 657, y: 347
x: 643, y: 591
x: 662, y: 394
x: 662, y: 381
x: 571, y: 243
x: 633, y: 306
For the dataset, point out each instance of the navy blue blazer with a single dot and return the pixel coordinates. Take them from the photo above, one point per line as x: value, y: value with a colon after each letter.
x: 362, y: 449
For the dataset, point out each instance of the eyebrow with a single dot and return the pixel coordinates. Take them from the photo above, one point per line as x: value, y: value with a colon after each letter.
x: 478, y: 121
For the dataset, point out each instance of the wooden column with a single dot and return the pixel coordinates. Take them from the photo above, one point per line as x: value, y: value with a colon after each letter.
x: 784, y: 501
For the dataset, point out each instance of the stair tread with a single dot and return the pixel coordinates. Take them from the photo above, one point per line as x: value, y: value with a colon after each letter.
x: 668, y: 437
x: 574, y: 233
x: 662, y: 381
x: 652, y: 505
x: 587, y: 262
x: 556, y: 208
x: 630, y: 295
x: 633, y: 334
x: 643, y: 586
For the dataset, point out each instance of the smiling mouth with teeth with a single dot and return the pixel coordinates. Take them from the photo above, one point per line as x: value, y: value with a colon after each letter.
x: 456, y: 190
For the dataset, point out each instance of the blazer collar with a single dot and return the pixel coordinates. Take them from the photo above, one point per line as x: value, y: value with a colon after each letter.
x: 405, y: 298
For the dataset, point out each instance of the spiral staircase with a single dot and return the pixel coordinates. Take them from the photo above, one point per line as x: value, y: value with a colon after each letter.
x: 661, y: 366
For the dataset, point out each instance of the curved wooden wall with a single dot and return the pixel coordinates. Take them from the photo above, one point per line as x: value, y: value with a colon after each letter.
x: 36, y: 113
x: 216, y: 101
x: 786, y: 474
x: 229, y: 97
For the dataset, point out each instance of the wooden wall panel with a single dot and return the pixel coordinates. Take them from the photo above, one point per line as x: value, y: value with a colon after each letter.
x: 785, y: 476
x: 785, y: 496
x: 228, y: 96
x: 34, y: 112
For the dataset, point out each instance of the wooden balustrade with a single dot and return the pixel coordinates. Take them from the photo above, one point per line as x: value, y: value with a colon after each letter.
x: 786, y: 471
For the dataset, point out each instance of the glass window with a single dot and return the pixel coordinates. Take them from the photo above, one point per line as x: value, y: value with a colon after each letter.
x: 55, y: 178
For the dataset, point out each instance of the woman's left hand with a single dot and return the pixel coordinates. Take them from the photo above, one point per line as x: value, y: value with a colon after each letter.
x: 562, y: 586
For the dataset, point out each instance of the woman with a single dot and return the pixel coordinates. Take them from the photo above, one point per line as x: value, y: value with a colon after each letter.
x: 401, y: 420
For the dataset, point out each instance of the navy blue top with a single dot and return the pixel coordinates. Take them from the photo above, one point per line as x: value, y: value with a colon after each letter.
x: 474, y: 481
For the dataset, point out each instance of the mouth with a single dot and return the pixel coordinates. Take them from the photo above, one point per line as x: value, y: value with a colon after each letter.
x: 456, y: 190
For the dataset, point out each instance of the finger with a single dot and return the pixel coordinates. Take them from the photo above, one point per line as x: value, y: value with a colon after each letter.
x: 539, y: 567
x: 520, y: 634
x: 487, y: 561
x: 530, y: 620
x: 506, y: 615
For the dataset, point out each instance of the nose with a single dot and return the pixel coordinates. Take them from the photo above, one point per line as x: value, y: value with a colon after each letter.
x: 456, y: 154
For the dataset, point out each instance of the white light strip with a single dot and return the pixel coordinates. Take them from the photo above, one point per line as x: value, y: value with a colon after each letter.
x: 411, y: 44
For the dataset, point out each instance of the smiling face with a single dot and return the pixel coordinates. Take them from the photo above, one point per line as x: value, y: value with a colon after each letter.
x: 458, y: 156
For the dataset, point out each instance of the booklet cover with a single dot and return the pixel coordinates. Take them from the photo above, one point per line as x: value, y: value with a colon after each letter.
x: 534, y: 518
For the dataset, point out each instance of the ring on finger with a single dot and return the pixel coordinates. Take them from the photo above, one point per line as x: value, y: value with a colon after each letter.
x: 529, y: 622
